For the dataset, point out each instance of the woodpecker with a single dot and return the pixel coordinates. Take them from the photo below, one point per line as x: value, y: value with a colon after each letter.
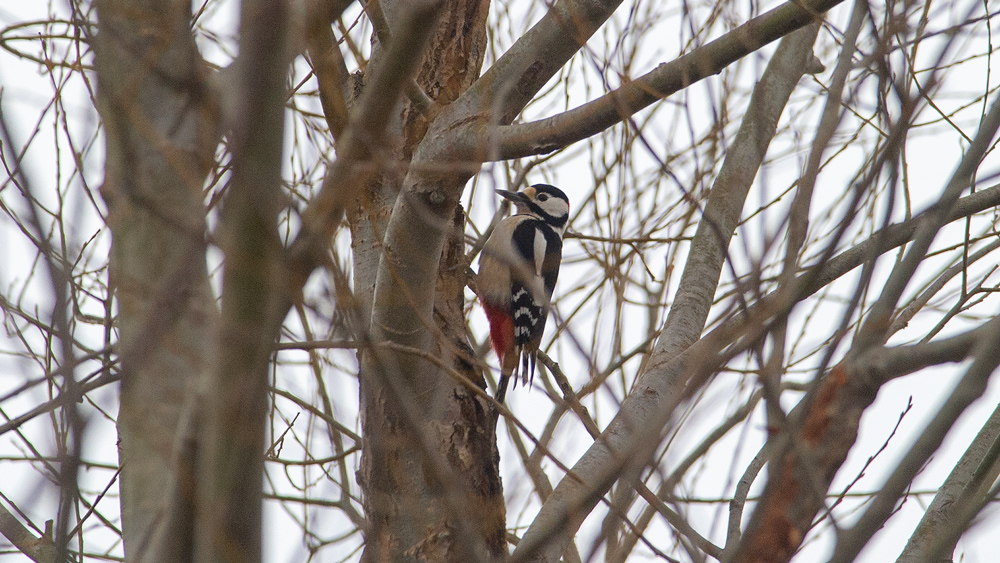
x: 517, y: 273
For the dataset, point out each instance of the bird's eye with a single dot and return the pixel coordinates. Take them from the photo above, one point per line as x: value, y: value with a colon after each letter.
x: 543, y: 197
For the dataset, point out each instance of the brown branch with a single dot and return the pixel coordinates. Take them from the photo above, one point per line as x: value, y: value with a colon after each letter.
x: 317, y: 345
x: 888, y: 363
x: 906, y: 314
x: 328, y: 63
x: 807, y: 463
x: 420, y: 100
x: 230, y: 465
x: 892, y: 237
x: 41, y: 549
x: 986, y: 352
x: 503, y: 90
x: 877, y: 322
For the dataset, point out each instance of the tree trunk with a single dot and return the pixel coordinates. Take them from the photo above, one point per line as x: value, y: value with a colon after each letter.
x: 160, y: 129
x: 430, y: 470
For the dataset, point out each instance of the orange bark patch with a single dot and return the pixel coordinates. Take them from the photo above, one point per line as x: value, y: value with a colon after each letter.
x: 777, y: 538
x: 818, y: 420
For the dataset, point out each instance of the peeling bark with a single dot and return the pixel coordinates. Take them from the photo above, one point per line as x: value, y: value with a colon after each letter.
x: 803, y: 471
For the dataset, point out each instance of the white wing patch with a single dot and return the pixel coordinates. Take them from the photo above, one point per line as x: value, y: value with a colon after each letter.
x: 540, y: 246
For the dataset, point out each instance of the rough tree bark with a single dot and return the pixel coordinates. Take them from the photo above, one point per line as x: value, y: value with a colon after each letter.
x: 431, y: 482
x: 408, y: 460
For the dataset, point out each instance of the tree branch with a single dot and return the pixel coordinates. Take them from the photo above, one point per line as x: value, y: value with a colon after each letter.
x: 160, y: 121
x: 906, y: 314
x: 809, y: 455
x: 328, y: 62
x: 892, y: 237
x: 503, y: 90
x: 877, y: 322
x: 420, y: 100
x: 561, y: 130
x: 230, y: 460
x: 40, y: 549
x: 358, y: 148
x: 965, y: 486
x: 888, y: 363
x: 972, y: 385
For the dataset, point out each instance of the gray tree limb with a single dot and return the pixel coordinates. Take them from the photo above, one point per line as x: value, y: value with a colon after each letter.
x: 965, y: 485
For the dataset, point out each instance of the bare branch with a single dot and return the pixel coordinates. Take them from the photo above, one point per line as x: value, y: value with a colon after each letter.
x: 417, y: 96
x: 160, y: 122
x: 503, y: 91
x: 379, y: 415
x: 873, y: 331
x: 888, y: 363
x: 963, y: 489
x: 230, y: 463
x: 547, y: 135
x: 917, y: 304
x: 40, y: 549
x: 972, y: 385
x: 328, y: 64
x: 828, y: 426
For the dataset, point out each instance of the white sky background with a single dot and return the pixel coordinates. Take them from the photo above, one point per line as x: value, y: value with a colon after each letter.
x: 931, y: 158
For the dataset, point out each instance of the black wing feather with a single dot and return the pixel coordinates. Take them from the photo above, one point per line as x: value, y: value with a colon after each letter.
x: 528, y: 314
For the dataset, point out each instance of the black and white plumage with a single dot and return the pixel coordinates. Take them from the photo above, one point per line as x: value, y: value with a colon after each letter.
x: 517, y: 274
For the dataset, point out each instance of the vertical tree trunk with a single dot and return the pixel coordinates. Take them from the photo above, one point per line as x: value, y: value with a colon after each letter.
x: 232, y: 438
x: 430, y: 470
x: 160, y: 130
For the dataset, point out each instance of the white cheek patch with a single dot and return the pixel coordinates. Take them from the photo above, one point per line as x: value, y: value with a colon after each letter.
x: 555, y: 207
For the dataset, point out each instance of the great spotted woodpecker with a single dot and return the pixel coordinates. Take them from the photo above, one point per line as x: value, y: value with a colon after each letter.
x: 517, y: 273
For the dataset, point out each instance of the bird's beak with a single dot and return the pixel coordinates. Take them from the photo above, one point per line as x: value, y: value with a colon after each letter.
x: 516, y: 197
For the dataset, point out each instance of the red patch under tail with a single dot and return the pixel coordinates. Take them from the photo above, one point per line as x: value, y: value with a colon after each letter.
x: 501, y: 329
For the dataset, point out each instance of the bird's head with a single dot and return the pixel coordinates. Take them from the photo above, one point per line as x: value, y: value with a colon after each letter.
x: 543, y: 201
